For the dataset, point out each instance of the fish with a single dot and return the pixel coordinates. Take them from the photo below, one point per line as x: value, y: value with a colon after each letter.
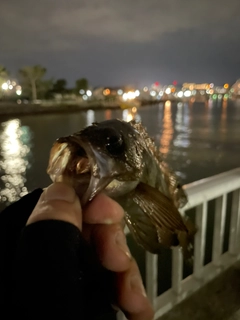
x: 120, y: 159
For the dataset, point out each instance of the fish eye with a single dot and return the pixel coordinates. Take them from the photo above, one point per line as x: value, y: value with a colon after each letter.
x: 114, y: 144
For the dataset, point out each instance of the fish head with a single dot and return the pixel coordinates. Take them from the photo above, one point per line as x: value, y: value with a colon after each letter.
x: 94, y: 157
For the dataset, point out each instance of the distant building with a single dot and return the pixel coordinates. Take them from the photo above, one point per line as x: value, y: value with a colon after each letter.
x: 235, y: 90
x: 195, y: 86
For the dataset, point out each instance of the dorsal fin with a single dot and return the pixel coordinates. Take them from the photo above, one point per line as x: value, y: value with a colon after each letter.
x: 178, y: 195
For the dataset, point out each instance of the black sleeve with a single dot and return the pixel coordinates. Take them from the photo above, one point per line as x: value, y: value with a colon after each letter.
x: 55, y: 275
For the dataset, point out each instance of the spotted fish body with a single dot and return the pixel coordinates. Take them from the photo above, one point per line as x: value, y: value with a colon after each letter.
x: 120, y: 159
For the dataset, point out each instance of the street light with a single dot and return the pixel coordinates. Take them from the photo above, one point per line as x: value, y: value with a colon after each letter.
x: 5, y: 86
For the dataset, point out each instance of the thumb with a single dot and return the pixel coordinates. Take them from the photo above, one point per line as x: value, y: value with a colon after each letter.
x: 58, y: 202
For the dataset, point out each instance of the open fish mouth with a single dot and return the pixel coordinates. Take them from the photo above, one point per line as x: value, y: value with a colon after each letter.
x: 72, y: 162
x: 75, y: 162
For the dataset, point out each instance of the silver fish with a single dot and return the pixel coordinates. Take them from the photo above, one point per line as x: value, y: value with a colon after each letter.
x: 120, y: 159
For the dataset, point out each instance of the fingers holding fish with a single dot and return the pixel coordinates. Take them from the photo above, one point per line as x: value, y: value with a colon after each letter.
x: 58, y: 202
x: 111, y: 247
x: 103, y: 228
x: 131, y: 295
x: 103, y: 210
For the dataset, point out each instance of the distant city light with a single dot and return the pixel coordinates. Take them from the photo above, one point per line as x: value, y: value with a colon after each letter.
x: 130, y: 95
x: 106, y: 92
x: 187, y: 93
x: 168, y: 90
x: 226, y: 86
x: 145, y: 89
x: 137, y: 93
x: 18, y: 92
x: 81, y: 91
x: 180, y: 94
x: 211, y: 85
x: 120, y: 92
x: 85, y: 97
x: 153, y: 93
x: 89, y: 93
x: 4, y: 86
x: 10, y: 87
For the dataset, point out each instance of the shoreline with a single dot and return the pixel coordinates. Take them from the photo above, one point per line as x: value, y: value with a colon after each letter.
x: 14, y: 109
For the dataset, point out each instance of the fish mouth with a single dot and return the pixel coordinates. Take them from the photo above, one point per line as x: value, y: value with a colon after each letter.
x: 93, y: 172
x: 75, y: 162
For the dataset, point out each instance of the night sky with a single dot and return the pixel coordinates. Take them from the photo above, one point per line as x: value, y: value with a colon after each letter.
x: 120, y: 42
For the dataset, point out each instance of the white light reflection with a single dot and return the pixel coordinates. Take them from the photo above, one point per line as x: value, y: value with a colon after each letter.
x: 90, y: 117
x: 15, y: 148
x: 182, y: 126
x: 131, y: 114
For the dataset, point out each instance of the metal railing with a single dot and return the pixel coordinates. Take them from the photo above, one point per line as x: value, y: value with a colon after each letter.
x: 199, y: 194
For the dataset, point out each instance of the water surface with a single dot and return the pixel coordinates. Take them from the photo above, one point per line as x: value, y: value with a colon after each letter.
x: 198, y: 140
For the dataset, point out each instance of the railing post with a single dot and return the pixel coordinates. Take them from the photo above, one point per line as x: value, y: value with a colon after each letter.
x: 218, y: 231
x: 151, y: 276
x: 200, y: 239
x: 177, y: 270
x: 234, y: 238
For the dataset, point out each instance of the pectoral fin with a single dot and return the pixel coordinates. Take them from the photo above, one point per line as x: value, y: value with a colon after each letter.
x: 161, y: 212
x: 159, y: 208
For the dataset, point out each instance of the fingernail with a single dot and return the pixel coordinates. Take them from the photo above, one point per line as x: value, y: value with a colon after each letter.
x: 122, y: 243
x: 107, y: 221
x: 137, y: 285
x: 59, y: 191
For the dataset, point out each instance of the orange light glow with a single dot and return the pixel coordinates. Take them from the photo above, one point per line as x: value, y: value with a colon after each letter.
x: 106, y: 92
x: 167, y: 133
x: 108, y: 114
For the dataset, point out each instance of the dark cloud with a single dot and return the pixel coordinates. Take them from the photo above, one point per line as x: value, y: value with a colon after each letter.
x: 115, y: 42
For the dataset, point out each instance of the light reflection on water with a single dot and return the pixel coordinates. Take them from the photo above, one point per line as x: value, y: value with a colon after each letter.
x: 90, y: 117
x: 196, y: 139
x: 15, y: 148
x: 167, y: 132
x: 182, y: 127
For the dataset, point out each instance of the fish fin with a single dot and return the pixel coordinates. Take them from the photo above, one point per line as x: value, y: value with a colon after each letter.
x: 177, y: 193
x: 144, y: 231
x: 161, y: 211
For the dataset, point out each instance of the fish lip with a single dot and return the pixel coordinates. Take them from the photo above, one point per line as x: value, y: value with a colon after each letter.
x: 97, y: 182
x: 86, y: 146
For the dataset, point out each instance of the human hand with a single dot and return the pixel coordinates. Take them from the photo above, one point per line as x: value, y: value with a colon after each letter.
x: 100, y: 223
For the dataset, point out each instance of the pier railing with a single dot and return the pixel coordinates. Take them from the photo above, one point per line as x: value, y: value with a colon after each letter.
x: 217, y: 188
